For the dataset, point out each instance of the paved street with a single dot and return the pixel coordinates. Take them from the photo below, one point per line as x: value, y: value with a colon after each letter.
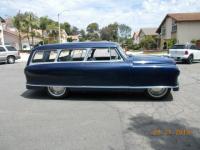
x: 98, y: 121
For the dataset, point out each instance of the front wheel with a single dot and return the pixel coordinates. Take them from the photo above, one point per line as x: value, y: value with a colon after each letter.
x: 57, y: 92
x: 158, y: 93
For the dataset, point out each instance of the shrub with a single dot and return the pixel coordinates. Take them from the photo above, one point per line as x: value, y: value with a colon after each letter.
x: 148, y: 42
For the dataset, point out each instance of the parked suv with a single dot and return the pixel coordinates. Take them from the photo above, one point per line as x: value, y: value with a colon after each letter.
x: 186, y: 53
x: 8, y: 54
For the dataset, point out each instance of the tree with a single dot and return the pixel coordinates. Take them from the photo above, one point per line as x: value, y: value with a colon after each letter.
x: 74, y: 30
x: 29, y: 24
x: 82, y: 35
x: 93, y: 32
x: 34, y: 24
x: 52, y: 30
x: 92, y: 28
x: 110, y: 32
x: 43, y: 25
x: 124, y: 31
x: 17, y: 22
x: 67, y: 27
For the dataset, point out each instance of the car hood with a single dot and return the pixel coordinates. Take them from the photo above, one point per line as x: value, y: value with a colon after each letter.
x: 147, y: 59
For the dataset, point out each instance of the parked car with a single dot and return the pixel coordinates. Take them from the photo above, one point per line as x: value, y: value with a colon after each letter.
x: 8, y: 54
x: 59, y: 68
x: 185, y: 53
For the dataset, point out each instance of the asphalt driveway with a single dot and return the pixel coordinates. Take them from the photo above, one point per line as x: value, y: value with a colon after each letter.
x: 98, y: 121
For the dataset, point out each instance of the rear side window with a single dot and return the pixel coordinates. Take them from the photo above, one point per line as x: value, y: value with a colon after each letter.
x: 44, y: 56
x: 72, y: 55
x: 179, y: 47
x: 11, y: 48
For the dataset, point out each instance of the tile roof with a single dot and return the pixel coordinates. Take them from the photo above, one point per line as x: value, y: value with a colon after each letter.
x: 185, y: 16
x: 148, y: 31
x: 181, y: 17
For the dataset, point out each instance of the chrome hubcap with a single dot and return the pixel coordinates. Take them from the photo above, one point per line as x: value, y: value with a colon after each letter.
x: 11, y: 60
x: 157, y: 92
x: 56, y: 91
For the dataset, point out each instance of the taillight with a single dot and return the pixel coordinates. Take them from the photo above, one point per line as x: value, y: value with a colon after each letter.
x: 186, y: 52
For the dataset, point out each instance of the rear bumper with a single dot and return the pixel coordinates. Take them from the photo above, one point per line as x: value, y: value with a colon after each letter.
x: 17, y: 57
x: 179, y: 57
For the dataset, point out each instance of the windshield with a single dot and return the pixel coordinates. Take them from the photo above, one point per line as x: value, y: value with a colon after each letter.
x: 179, y: 47
x: 122, y: 52
x: 11, y: 48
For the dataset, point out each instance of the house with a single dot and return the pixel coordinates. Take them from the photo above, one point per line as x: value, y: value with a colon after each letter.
x: 183, y: 27
x: 7, y: 36
x: 74, y: 38
x: 11, y: 38
x: 151, y: 32
x: 136, y: 39
x: 2, y: 21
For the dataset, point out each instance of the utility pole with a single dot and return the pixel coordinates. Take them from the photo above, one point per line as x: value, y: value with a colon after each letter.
x: 59, y: 38
x: 59, y: 33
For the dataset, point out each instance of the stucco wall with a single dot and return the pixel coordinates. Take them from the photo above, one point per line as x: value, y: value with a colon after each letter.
x: 186, y: 31
x: 12, y: 40
x: 168, y: 28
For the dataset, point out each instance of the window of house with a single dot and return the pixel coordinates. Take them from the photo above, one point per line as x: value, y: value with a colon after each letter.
x: 72, y: 55
x: 44, y: 56
x: 163, y: 30
x: 174, y: 26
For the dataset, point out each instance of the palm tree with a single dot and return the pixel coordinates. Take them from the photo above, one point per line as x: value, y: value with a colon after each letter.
x: 18, y: 24
x: 44, y: 21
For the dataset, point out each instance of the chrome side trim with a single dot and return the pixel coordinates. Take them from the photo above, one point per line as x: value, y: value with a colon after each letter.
x: 104, y: 87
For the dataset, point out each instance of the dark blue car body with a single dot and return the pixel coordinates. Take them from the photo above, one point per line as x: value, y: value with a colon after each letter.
x: 134, y: 72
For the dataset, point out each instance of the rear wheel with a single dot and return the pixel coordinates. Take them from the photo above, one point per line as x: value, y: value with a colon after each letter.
x: 57, y: 91
x: 157, y: 93
x: 11, y: 60
x: 190, y: 59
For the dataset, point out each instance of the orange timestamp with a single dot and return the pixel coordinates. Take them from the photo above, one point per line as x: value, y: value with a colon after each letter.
x: 169, y: 132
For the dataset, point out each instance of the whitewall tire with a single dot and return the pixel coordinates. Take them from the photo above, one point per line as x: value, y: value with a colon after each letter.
x: 158, y: 93
x: 57, y: 91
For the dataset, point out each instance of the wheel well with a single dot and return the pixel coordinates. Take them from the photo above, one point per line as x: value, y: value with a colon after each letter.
x: 10, y: 56
x: 191, y: 55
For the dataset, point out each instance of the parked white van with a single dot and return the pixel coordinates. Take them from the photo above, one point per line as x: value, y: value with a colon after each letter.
x: 186, y: 53
x: 8, y: 54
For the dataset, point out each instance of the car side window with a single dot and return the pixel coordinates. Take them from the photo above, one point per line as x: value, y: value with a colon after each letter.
x: 2, y: 49
x: 38, y: 57
x: 72, y: 55
x: 114, y: 55
x: 193, y: 47
x: 44, y: 56
x: 11, y: 48
x: 78, y: 55
x: 103, y: 54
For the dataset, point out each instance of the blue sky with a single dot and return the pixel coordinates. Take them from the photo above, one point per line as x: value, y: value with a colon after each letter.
x: 135, y: 13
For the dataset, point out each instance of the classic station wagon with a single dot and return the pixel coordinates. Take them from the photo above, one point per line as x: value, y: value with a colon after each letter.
x: 60, y: 68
